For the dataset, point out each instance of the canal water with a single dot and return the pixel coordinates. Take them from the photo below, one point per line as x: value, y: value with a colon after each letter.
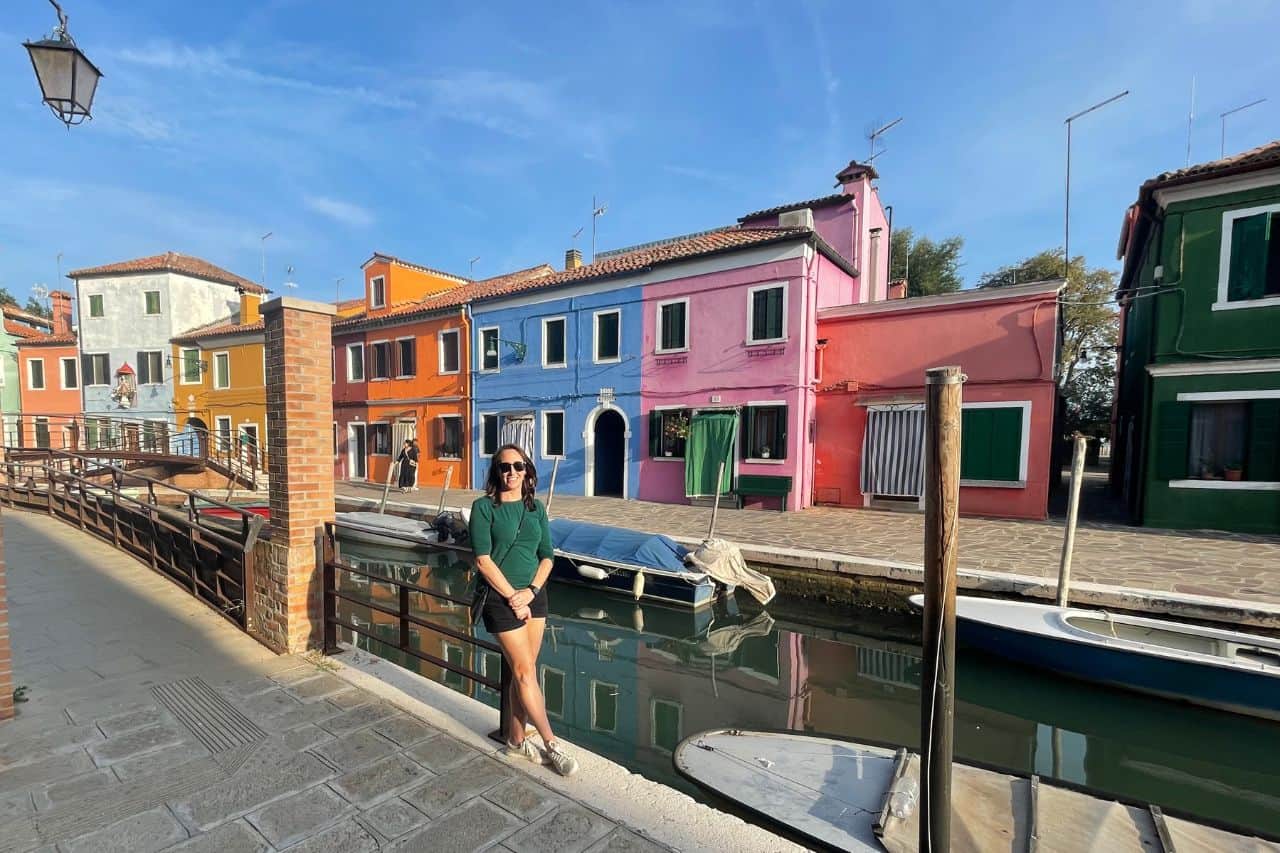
x: 630, y: 681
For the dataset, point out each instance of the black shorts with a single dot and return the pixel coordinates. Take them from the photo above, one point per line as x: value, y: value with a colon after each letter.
x: 499, y: 617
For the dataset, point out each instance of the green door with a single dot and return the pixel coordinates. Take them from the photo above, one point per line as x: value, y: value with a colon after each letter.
x: 712, y: 438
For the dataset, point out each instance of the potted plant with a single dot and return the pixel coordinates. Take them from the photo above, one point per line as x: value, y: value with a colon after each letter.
x: 1234, y: 471
x: 675, y: 430
x: 764, y: 452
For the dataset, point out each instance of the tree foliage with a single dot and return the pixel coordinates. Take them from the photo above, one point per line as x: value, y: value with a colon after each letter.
x: 934, y: 266
x: 1090, y: 326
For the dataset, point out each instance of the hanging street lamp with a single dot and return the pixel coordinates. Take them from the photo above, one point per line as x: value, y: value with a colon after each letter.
x: 67, y: 78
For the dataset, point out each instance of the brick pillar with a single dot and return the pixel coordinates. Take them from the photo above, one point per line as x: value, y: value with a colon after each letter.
x: 6, y: 653
x: 287, y: 604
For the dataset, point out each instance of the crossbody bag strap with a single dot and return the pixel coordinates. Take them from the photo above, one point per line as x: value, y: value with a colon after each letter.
x: 515, y: 539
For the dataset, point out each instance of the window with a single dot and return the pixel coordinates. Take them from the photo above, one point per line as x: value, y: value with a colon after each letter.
x: 223, y: 428
x: 335, y: 439
x: 608, y: 336
x: 767, y: 314
x: 406, y: 363
x: 552, y: 434
x: 1218, y: 440
x: 380, y: 439
x: 380, y: 360
x: 150, y: 371
x: 449, y: 437
x: 155, y: 436
x: 665, y: 724
x: 355, y: 362
x: 991, y: 443
x: 489, y: 354
x: 42, y: 432
x: 450, y: 356
x: 553, y: 690
x: 95, y: 305
x: 491, y: 668
x: 553, y: 354
x: 668, y: 432
x: 70, y: 376
x: 96, y: 369
x: 377, y: 292
x: 190, y: 358
x: 1249, y: 266
x: 604, y: 706
x: 221, y: 370
x: 35, y: 374
x: 764, y: 432
x: 488, y: 434
x: 673, y: 326
x: 456, y: 656
x: 152, y: 301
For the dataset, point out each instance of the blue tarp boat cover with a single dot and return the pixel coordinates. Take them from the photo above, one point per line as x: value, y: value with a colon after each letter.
x: 630, y: 547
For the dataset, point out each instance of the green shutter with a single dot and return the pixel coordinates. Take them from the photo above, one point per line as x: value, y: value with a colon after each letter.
x: 748, y: 442
x: 1263, y: 461
x: 1247, y: 276
x: 1172, y: 434
x: 991, y: 444
x: 655, y: 433
x: 780, y: 433
x: 975, y: 444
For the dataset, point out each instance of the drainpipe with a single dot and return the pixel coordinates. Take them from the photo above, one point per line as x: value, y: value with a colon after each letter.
x: 467, y: 324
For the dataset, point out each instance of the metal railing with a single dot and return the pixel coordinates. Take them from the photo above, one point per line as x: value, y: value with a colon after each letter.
x: 407, y: 618
x: 210, y: 557
x: 137, y: 440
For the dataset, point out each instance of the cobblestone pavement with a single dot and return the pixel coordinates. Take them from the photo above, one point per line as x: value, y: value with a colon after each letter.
x: 1209, y: 563
x: 125, y: 745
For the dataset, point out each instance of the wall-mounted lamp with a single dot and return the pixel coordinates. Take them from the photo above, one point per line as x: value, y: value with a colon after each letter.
x: 518, y: 348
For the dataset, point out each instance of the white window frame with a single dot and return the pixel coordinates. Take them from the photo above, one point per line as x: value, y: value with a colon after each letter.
x: 364, y: 367
x: 89, y: 306
x: 62, y: 372
x: 564, y: 691
x: 751, y: 298
x: 373, y: 291
x: 159, y: 308
x: 217, y: 430
x: 160, y: 355
x: 1023, y: 453
x: 44, y: 377
x: 1224, y: 261
x: 182, y: 366
x: 337, y: 445
x: 595, y: 336
x: 653, y: 721
x: 457, y: 336
x: 1228, y: 397
x: 92, y: 356
x: 373, y: 360
x: 448, y: 677
x: 563, y: 319
x: 564, y: 431
x: 480, y: 438
x: 461, y: 431
x: 368, y: 437
x: 399, y: 365
x: 226, y: 354
x: 617, y: 691
x: 497, y: 345
x: 657, y: 338
x: 765, y: 404
x: 674, y: 407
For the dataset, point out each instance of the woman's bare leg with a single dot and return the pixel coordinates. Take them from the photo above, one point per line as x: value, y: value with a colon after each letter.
x: 522, y: 657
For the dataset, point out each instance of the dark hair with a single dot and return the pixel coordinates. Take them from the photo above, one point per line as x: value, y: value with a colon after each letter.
x: 493, y: 483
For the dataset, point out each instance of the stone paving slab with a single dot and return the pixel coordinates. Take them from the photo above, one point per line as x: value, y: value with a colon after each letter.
x: 136, y: 743
x: 403, y: 730
x: 525, y: 799
x: 161, y: 759
x: 393, y: 818
x: 141, y: 833
x: 50, y: 742
x: 368, y: 785
x: 442, y: 754
x: 455, y: 787
x: 347, y: 837
x: 357, y: 718
x: 234, y: 837
x: 317, y: 688
x: 272, y: 776
x: 130, y: 720
x: 623, y: 841
x: 468, y: 828
x: 569, y: 829
x: 86, y: 785
x: 55, y: 767
x: 292, y: 819
x: 354, y: 750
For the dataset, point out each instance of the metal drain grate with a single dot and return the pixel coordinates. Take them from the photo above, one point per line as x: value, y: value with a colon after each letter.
x: 214, y: 721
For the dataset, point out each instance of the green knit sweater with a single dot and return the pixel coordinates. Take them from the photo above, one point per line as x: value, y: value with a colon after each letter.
x: 494, y: 528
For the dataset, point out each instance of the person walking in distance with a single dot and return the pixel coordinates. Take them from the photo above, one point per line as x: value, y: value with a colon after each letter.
x: 512, y: 544
x: 408, y: 460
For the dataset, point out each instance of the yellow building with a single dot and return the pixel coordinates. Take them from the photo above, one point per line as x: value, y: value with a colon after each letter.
x: 220, y: 382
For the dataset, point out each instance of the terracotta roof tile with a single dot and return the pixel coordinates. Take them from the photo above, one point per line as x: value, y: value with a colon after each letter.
x: 171, y: 262
x: 13, y: 312
x: 219, y: 328
x: 825, y: 201
x: 40, y: 339
x: 18, y: 330
x: 446, y: 299
x: 1262, y: 157
x: 379, y: 256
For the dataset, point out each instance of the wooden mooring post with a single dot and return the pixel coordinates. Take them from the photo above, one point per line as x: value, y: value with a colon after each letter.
x: 1073, y: 510
x: 551, y: 487
x: 941, y: 516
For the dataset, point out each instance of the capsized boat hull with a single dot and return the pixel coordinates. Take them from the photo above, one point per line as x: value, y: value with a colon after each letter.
x: 386, y: 531
x: 1197, y: 671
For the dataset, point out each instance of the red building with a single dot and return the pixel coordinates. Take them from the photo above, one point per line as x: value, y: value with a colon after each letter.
x: 49, y: 378
x: 871, y: 362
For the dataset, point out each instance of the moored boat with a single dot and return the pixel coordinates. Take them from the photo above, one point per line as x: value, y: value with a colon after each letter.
x: 388, y: 531
x: 1213, y: 667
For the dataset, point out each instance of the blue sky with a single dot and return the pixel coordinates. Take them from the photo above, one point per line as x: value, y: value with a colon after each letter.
x: 440, y: 132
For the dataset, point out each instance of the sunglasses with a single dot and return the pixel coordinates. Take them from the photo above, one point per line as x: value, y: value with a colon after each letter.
x: 508, y: 467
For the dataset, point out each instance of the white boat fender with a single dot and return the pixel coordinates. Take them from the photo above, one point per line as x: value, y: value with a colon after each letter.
x: 591, y: 613
x: 637, y: 585
x: 595, y: 573
x: 637, y: 619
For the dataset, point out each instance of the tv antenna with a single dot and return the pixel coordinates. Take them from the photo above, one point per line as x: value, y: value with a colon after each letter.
x: 879, y: 132
x: 1223, y: 151
x: 337, y: 291
x: 597, y: 210
x: 573, y: 241
x: 471, y: 271
x: 288, y: 279
x: 40, y: 292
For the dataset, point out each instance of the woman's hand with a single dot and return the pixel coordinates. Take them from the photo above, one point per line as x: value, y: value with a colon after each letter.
x: 523, y: 613
x: 520, y: 598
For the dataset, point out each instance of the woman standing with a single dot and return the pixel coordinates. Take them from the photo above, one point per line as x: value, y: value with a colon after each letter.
x: 408, y: 460
x: 512, y: 543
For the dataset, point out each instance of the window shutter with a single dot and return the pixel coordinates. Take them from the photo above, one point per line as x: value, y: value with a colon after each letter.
x: 1172, y: 436
x: 655, y: 433
x: 1247, y: 276
x: 1006, y: 444
x: 440, y: 437
x: 1263, y: 461
x: 780, y: 433
x: 748, y: 431
x: 86, y: 369
x: 975, y: 444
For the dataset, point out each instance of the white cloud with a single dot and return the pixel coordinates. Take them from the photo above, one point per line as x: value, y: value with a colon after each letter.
x: 341, y: 211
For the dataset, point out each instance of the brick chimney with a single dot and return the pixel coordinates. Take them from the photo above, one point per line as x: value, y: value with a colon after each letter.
x: 60, y: 304
x: 572, y: 259
x: 898, y: 289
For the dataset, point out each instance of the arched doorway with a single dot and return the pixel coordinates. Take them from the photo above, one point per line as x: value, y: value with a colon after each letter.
x: 609, y: 456
x: 195, y: 434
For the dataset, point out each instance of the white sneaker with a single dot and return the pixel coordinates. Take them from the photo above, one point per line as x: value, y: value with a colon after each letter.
x: 526, y: 749
x: 565, y: 765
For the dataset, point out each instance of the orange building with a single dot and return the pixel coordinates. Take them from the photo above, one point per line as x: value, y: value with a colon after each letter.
x: 49, y: 378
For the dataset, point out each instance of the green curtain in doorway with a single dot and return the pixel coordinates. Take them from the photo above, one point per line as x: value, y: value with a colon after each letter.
x: 712, y: 438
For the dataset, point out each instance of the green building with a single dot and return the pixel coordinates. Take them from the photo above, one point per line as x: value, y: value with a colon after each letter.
x: 1197, y: 417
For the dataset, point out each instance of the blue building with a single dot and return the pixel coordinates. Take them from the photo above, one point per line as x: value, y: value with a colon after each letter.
x: 557, y: 371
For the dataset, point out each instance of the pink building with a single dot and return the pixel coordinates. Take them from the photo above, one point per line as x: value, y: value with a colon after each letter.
x: 728, y: 348
x: 870, y: 400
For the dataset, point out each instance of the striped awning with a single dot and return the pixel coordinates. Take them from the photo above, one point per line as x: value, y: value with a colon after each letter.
x: 893, y: 452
